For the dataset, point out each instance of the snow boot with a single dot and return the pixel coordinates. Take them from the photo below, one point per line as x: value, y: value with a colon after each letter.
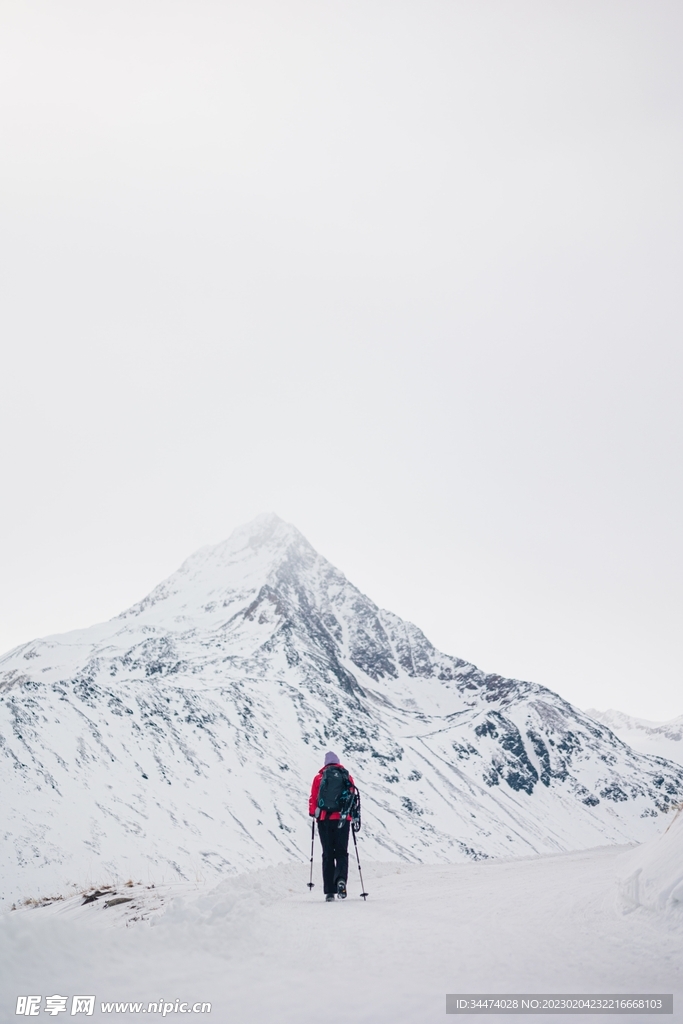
x: 341, y: 889
x: 329, y: 898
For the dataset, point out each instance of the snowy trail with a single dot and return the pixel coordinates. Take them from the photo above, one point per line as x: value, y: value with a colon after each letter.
x: 262, y: 949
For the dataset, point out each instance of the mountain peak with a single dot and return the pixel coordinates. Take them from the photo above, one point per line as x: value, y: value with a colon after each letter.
x: 661, y: 739
x: 266, y: 530
x: 222, y: 573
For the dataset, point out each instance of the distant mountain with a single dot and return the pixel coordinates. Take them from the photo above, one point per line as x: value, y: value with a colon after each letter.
x: 658, y: 739
x: 178, y: 740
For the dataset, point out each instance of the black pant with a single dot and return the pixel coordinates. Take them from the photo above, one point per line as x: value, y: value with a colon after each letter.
x: 335, y: 842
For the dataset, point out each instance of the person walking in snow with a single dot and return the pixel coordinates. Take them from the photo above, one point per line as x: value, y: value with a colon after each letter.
x: 334, y: 803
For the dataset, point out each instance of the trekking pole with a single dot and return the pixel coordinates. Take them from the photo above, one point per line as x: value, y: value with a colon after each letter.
x: 311, y: 883
x: 364, y: 894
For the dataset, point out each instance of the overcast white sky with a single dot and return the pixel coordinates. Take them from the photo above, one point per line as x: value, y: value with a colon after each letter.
x: 406, y: 273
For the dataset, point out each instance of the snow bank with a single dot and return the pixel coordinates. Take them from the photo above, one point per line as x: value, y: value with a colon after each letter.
x: 656, y: 877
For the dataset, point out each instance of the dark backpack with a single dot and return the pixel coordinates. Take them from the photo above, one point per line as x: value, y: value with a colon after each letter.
x: 335, y: 792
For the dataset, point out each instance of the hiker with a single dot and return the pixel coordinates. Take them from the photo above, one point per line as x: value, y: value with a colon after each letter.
x: 334, y: 802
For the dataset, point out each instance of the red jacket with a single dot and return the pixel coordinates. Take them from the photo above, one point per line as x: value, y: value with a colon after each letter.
x: 313, y: 799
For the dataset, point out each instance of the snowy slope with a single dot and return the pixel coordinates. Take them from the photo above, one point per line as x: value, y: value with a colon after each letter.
x: 659, y: 739
x: 178, y: 740
x: 257, y: 946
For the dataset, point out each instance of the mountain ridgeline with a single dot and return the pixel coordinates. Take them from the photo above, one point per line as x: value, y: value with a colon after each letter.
x: 178, y: 740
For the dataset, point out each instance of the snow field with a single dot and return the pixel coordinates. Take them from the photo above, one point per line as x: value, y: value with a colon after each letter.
x: 261, y: 948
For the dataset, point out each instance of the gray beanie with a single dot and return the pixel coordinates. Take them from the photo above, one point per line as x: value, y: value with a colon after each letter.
x: 331, y: 758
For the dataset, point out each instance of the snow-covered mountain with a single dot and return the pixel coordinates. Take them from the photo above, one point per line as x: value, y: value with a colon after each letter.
x: 659, y: 739
x: 178, y: 740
